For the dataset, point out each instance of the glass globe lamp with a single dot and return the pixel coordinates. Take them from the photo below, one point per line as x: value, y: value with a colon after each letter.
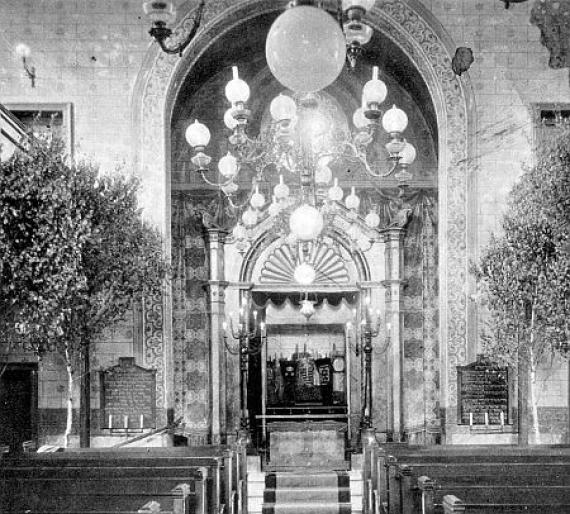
x: 257, y: 200
x: 198, y: 135
x: 359, y: 120
x: 374, y: 91
x: 229, y: 120
x: 306, y: 222
x: 407, y: 155
x: 281, y: 190
x: 357, y: 33
x: 307, y: 307
x: 283, y: 108
x: 372, y: 219
x: 365, y: 5
x: 160, y: 11
x: 335, y: 193
x: 304, y: 274
x: 394, y: 120
x: 237, y: 90
x: 305, y: 49
x: 228, y: 166
x: 249, y: 217
x: 352, y: 201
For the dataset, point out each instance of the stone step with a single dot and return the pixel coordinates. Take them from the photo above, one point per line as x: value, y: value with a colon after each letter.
x: 308, y: 508
x: 306, y: 494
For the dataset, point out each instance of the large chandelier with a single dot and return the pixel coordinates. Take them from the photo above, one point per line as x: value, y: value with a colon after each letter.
x: 291, y: 161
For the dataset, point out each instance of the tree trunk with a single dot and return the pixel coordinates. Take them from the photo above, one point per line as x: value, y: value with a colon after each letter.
x: 85, y: 403
x: 534, y: 404
x: 69, y: 421
x: 523, y: 387
x: 532, y: 359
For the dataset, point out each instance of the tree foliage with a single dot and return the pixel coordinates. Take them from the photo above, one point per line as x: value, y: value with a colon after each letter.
x: 525, y: 271
x: 74, y: 249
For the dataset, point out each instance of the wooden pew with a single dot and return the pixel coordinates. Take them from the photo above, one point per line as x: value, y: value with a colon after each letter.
x: 97, y: 477
x: 453, y: 505
x: 397, y: 485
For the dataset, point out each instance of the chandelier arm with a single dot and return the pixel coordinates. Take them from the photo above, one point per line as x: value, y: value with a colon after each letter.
x: 379, y: 175
x: 161, y: 34
x: 211, y: 183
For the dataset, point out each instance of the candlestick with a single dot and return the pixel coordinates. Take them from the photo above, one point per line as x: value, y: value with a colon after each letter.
x: 126, y: 421
x: 502, y: 416
x: 470, y: 419
x: 110, y: 421
x: 486, y: 418
x: 142, y: 421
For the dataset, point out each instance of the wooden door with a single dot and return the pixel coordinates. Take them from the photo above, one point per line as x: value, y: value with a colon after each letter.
x: 18, y: 405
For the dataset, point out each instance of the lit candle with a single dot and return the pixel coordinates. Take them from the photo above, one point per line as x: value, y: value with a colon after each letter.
x: 486, y: 418
x: 110, y: 421
x: 502, y: 416
x: 470, y: 419
x: 126, y: 421
x: 142, y: 420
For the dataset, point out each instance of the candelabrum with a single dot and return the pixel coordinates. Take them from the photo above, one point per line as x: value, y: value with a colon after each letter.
x: 369, y: 330
x: 244, y: 345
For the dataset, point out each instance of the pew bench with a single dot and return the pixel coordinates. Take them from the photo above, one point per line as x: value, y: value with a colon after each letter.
x: 453, y: 505
x: 123, y: 480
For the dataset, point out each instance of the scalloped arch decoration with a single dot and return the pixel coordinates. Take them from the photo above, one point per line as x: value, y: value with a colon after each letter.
x: 279, y: 267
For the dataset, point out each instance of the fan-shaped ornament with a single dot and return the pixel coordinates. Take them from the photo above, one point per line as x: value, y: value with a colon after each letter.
x: 280, y: 266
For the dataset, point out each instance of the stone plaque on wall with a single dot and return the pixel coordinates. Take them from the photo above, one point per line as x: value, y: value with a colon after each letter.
x: 128, y: 396
x: 483, y: 393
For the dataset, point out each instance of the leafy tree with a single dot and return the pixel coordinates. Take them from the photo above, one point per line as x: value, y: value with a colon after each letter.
x: 75, y: 254
x: 525, y: 272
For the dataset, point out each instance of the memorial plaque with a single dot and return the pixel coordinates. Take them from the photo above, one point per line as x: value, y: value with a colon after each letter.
x: 483, y: 393
x: 128, y: 396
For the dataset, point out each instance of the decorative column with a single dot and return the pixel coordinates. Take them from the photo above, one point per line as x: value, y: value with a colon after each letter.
x: 216, y: 289
x: 394, y: 258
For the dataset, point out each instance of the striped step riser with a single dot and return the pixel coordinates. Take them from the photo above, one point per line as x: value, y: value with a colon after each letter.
x: 307, y: 493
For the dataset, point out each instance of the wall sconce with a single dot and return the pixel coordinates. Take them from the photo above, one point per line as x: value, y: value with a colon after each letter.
x: 23, y: 51
x: 162, y: 13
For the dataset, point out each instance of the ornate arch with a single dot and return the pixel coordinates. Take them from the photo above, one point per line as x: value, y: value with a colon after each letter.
x: 416, y: 31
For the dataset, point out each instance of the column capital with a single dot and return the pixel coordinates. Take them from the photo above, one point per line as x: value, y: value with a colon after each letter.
x: 216, y: 234
x: 394, y: 234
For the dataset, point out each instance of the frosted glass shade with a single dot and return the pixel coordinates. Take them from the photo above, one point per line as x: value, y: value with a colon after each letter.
x: 357, y: 32
x: 306, y: 222
x: 363, y: 4
x: 239, y: 231
x: 305, y: 49
x: 160, y: 11
x: 281, y: 190
x: 237, y: 90
x: 228, y: 166
x: 408, y: 154
x: 283, y: 107
x: 352, y: 201
x: 394, y: 120
x: 305, y: 274
x: 257, y: 199
x: 335, y: 192
x: 358, y: 119
x: 229, y: 120
x: 22, y: 50
x: 197, y: 135
x: 249, y: 218
x: 374, y: 92
x: 372, y: 219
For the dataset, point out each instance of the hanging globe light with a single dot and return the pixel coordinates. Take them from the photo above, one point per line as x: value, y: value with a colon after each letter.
x: 306, y: 222
x: 305, y: 49
x: 283, y: 108
x: 394, y: 120
x: 304, y: 274
x: 228, y: 166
